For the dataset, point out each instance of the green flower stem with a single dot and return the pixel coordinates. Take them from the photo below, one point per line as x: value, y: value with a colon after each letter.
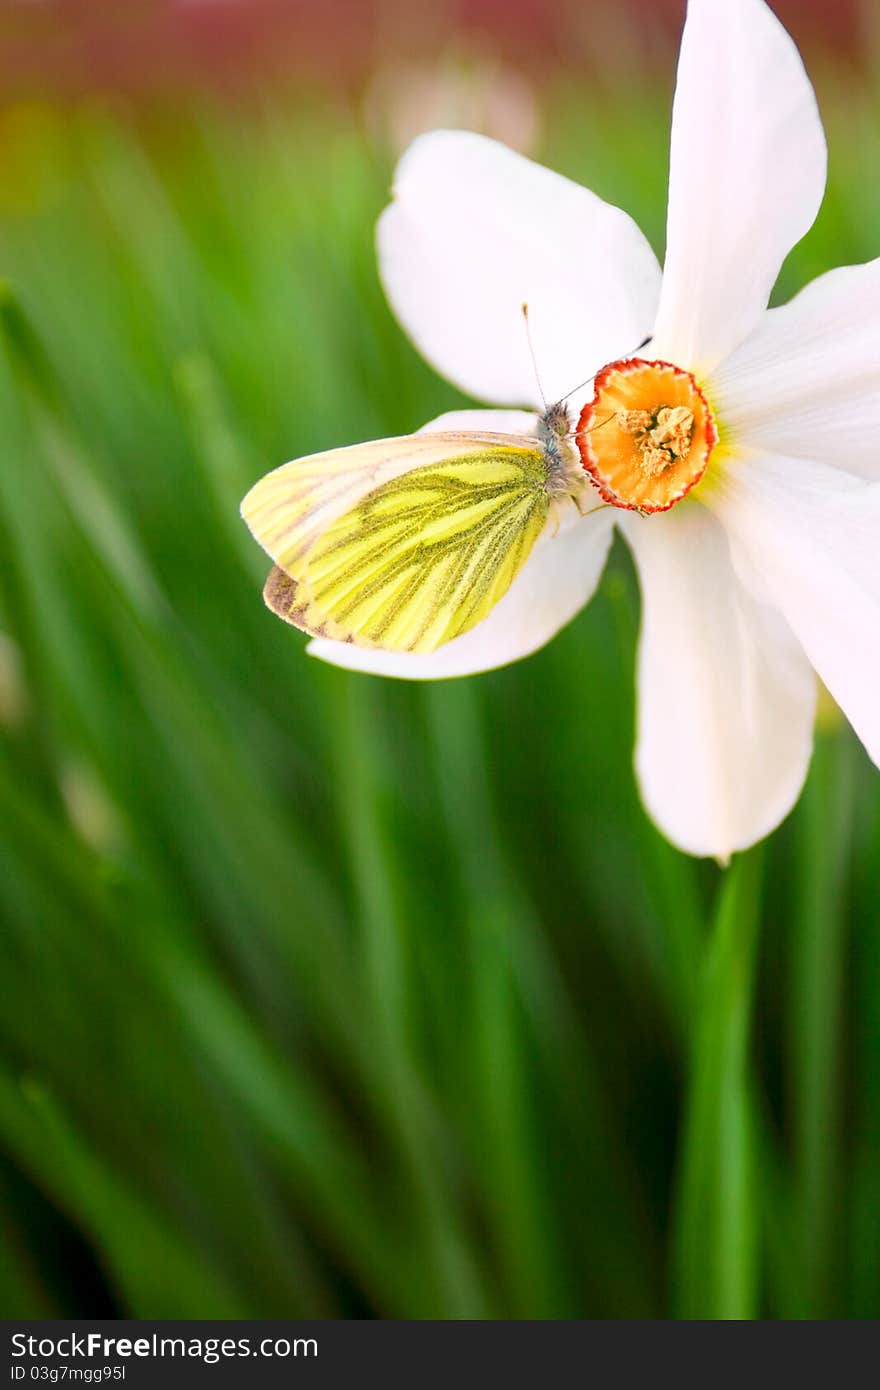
x: 715, y: 1237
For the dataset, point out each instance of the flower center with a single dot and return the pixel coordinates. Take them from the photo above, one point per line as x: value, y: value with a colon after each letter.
x: 646, y: 436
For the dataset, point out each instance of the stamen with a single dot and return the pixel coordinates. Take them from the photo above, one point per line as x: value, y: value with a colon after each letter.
x: 663, y: 436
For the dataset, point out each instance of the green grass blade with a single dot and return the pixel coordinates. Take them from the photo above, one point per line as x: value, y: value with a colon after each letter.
x: 815, y: 1001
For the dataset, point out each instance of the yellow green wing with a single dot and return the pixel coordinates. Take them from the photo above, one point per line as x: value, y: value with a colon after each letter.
x: 289, y: 507
x: 418, y: 559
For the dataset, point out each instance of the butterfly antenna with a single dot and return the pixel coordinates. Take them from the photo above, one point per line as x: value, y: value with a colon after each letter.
x: 578, y: 434
x: 525, y: 314
x: 590, y: 378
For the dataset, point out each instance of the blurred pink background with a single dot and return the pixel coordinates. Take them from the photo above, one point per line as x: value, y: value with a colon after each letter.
x: 67, y: 47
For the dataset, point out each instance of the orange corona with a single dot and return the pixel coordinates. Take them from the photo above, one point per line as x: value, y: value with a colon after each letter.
x: 646, y: 436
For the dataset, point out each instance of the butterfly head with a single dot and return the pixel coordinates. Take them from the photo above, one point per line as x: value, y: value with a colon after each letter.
x: 555, y: 422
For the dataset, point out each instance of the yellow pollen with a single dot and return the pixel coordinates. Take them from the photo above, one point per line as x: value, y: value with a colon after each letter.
x: 662, y: 436
x: 646, y: 436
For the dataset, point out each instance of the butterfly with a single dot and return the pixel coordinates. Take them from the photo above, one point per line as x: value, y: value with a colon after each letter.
x: 404, y: 544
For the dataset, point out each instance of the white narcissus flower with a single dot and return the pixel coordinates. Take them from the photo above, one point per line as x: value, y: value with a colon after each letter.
x: 745, y: 475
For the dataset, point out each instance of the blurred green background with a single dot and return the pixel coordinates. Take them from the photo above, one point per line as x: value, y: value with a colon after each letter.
x: 333, y: 997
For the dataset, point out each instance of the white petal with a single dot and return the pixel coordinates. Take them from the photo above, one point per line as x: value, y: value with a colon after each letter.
x: 806, y: 383
x: 474, y: 232
x: 480, y: 421
x: 746, y: 177
x: 726, y: 699
x: 554, y: 584
x: 808, y: 537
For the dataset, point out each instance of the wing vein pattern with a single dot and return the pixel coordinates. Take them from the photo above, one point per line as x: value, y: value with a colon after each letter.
x: 402, y: 544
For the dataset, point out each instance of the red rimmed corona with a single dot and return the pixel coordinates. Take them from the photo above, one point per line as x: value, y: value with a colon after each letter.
x: 647, y: 435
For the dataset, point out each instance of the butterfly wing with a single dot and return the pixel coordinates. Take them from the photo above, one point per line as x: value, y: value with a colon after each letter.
x: 403, y: 544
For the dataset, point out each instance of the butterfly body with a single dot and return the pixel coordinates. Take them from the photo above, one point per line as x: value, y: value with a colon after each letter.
x: 565, y: 473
